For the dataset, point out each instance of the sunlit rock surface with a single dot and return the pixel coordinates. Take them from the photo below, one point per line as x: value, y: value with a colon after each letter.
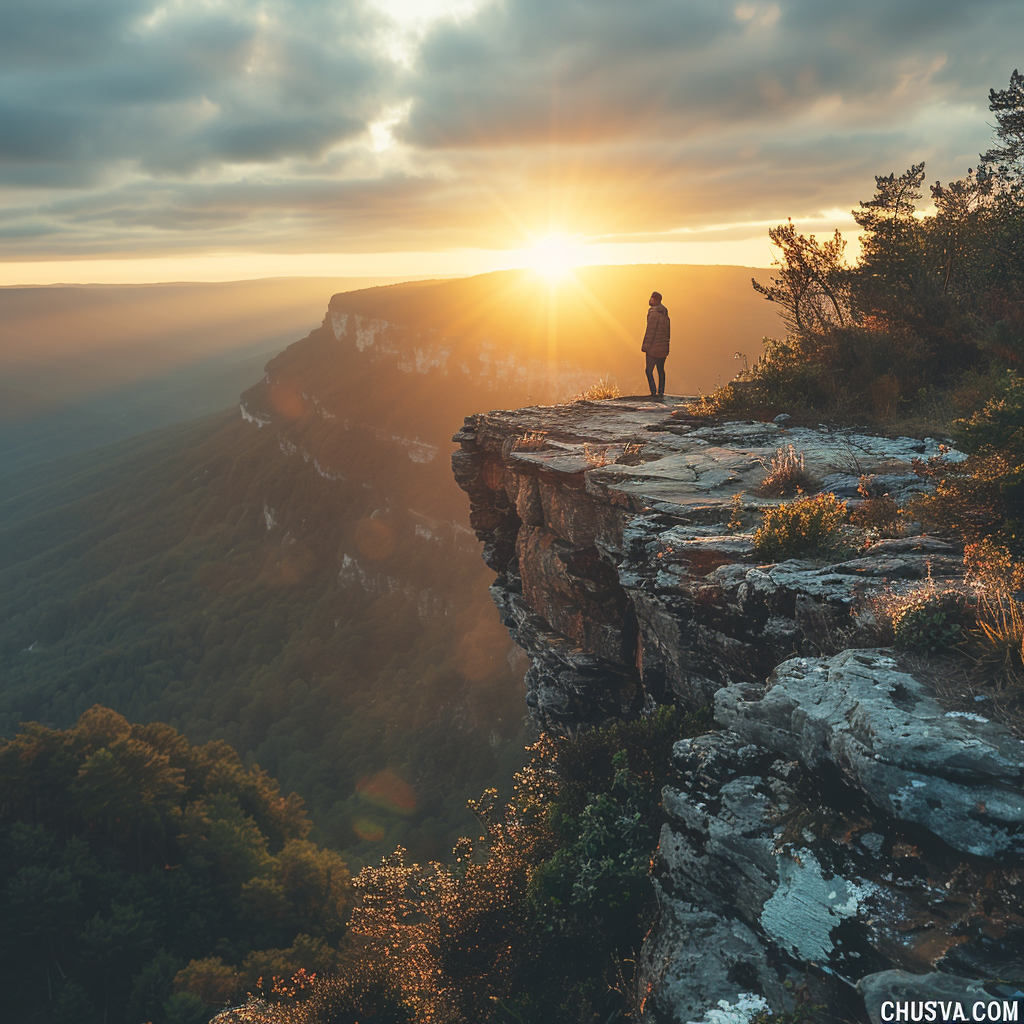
x: 842, y: 833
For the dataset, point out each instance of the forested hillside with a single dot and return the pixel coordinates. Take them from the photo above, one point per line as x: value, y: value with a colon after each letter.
x: 127, y: 855
x: 164, y: 594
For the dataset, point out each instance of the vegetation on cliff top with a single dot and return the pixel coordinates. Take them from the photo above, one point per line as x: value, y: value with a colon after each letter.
x: 929, y: 323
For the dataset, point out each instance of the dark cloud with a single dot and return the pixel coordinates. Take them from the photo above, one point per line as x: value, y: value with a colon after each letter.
x: 56, y: 33
x: 177, y: 88
x: 528, y: 71
x: 245, y: 122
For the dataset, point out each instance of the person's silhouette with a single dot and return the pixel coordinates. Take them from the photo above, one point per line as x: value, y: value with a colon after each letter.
x: 655, y: 344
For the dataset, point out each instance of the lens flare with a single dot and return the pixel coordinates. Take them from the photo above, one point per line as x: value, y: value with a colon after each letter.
x: 287, y: 401
x: 368, y: 829
x: 387, y: 791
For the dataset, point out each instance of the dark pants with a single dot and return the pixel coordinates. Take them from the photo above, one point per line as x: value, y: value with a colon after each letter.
x: 653, y: 362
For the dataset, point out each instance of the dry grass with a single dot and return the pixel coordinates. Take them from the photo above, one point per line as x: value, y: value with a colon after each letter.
x: 531, y: 442
x: 998, y: 639
x: 997, y: 579
x: 786, y: 474
x: 597, y: 457
x: 981, y: 669
x: 599, y: 391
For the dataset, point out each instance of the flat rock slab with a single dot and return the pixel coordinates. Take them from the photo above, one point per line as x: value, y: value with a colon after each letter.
x: 673, y: 464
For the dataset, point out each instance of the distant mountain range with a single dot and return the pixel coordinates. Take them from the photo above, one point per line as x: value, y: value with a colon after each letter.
x: 296, y: 575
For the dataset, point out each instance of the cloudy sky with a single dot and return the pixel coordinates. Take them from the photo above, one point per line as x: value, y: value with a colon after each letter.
x: 447, y: 136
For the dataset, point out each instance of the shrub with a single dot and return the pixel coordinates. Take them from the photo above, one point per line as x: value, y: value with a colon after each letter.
x: 805, y: 528
x: 366, y: 993
x: 878, y: 514
x: 783, y: 379
x: 735, y: 523
x: 543, y: 917
x: 786, y: 474
x: 974, y: 498
x: 991, y: 567
x: 999, y: 423
x: 931, y: 622
x: 597, y: 883
x: 600, y: 390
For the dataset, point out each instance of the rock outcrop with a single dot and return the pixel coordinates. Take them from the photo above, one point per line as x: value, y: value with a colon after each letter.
x: 840, y: 837
x: 618, y: 573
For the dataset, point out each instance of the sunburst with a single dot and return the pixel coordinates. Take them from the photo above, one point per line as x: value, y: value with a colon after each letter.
x: 552, y: 257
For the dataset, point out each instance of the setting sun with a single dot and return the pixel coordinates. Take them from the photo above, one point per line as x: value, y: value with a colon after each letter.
x: 552, y: 257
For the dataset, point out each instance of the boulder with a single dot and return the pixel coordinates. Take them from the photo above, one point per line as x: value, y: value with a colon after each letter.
x: 956, y: 774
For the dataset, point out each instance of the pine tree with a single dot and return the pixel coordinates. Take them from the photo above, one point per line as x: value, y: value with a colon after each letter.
x: 1007, y: 158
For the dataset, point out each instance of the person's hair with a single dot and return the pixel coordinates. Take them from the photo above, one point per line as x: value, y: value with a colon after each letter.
x: 656, y: 295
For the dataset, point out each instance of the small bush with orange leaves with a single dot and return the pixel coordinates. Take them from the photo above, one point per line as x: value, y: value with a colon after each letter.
x: 990, y: 566
x: 877, y: 515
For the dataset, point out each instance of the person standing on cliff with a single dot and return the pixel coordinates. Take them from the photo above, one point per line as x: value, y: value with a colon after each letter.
x: 655, y: 345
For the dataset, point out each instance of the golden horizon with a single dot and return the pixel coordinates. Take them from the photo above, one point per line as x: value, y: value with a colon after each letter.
x: 550, y: 256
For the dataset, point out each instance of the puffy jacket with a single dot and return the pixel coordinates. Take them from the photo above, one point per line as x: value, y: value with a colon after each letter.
x: 658, y: 328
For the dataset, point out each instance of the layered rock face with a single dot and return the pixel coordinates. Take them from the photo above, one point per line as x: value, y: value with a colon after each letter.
x: 841, y: 837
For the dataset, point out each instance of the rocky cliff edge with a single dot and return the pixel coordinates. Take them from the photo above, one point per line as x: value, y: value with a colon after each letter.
x: 842, y: 836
